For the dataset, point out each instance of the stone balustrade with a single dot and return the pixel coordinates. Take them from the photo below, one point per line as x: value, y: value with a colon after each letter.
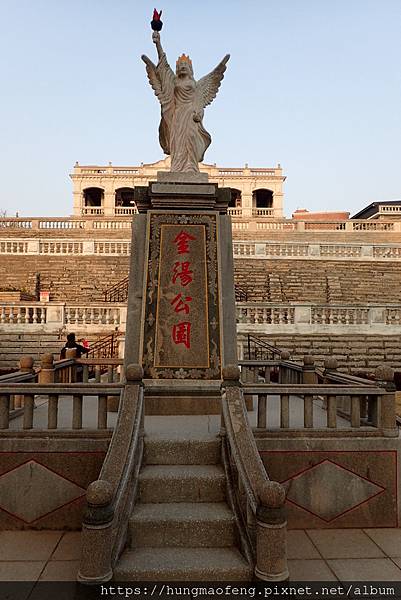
x: 242, y: 249
x: 307, y: 318
x: 252, y: 317
x: 317, y: 251
x: 66, y: 247
x: 57, y: 315
x: 252, y: 219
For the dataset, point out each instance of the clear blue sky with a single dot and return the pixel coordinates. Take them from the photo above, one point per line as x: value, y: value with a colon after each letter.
x: 312, y: 84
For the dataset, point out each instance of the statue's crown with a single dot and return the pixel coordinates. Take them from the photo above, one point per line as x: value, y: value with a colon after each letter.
x: 184, y: 58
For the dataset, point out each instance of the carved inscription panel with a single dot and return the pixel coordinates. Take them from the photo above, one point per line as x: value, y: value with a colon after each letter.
x: 182, y: 334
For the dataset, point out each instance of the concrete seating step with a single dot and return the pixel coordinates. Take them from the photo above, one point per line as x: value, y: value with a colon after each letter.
x: 182, y: 524
x: 182, y: 564
x: 182, y: 451
x: 182, y: 483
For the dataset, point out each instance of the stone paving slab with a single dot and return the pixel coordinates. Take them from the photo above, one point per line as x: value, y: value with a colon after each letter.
x: 306, y: 550
x: 310, y: 570
x: 28, y: 545
x: 365, y: 569
x: 344, y: 543
x: 21, y: 570
x: 389, y: 540
x: 60, y: 570
x: 69, y: 547
x: 300, y: 546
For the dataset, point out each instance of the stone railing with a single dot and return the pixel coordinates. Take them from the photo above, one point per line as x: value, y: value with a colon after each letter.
x: 252, y: 317
x: 126, y: 210
x: 117, y: 222
x: 298, y: 318
x: 57, y: 315
x: 242, y: 249
x: 65, y: 247
x: 323, y: 401
x: 98, y: 211
x: 317, y: 251
x: 257, y: 502
x: 110, y: 499
x: 243, y: 218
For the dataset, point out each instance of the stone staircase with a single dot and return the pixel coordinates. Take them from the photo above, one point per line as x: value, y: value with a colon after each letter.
x: 182, y: 528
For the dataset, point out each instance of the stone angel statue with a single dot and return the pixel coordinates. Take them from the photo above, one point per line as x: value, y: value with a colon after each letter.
x: 183, y: 100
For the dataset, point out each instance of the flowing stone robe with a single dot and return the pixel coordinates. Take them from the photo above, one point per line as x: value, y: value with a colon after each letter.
x: 181, y: 131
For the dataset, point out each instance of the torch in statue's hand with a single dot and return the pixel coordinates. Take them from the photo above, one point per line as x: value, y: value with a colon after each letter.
x: 156, y: 24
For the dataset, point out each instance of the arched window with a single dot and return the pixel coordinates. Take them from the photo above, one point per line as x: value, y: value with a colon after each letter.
x: 262, y: 198
x: 124, y: 197
x: 235, y: 201
x: 93, y: 196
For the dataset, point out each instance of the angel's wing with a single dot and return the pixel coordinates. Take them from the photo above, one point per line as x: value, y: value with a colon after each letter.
x: 208, y: 86
x: 161, y: 78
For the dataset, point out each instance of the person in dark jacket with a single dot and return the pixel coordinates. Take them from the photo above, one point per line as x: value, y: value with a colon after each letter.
x: 72, y: 343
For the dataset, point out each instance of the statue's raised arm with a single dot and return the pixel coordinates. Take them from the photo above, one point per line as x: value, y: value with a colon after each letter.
x: 161, y: 78
x: 182, y: 101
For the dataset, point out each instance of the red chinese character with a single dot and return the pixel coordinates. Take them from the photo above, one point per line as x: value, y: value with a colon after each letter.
x: 181, y: 334
x: 180, y: 303
x: 184, y: 275
x: 182, y: 241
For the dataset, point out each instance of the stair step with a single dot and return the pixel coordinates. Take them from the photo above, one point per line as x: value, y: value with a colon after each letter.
x: 182, y: 564
x: 182, y: 483
x: 182, y: 451
x: 182, y: 524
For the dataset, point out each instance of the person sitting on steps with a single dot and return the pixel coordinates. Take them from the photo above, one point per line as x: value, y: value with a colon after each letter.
x: 72, y: 343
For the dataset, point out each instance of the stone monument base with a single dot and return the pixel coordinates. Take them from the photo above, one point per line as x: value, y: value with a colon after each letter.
x: 174, y: 177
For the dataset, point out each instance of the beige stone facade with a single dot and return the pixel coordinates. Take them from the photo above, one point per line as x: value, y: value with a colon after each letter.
x: 108, y: 190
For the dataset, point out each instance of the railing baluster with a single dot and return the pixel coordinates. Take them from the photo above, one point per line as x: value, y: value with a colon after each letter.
x: 97, y: 373
x: 308, y: 410
x: 102, y: 413
x: 4, y: 412
x: 355, y: 411
x: 373, y: 410
x: 110, y: 374
x: 85, y: 374
x: 284, y: 411
x: 332, y: 412
x: 29, y: 403
x: 77, y: 412
x: 52, y: 415
x: 262, y: 401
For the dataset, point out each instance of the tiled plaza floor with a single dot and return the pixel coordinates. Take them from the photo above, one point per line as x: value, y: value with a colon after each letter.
x: 324, y: 555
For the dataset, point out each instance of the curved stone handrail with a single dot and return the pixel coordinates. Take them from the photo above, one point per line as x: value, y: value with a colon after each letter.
x: 111, y: 497
x: 264, y: 498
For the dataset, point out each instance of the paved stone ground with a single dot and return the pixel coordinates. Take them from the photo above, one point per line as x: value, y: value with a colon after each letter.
x: 314, y: 555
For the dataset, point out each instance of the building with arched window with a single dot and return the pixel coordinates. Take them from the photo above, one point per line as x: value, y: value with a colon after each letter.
x: 109, y: 190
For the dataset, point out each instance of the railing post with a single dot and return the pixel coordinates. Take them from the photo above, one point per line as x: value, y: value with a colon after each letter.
x: 96, y: 549
x: 283, y: 371
x: 4, y: 411
x: 330, y: 364
x: 271, y: 534
x: 47, y: 371
x: 384, y: 376
x: 25, y: 366
x: 71, y: 353
x: 309, y: 375
x: 231, y: 378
